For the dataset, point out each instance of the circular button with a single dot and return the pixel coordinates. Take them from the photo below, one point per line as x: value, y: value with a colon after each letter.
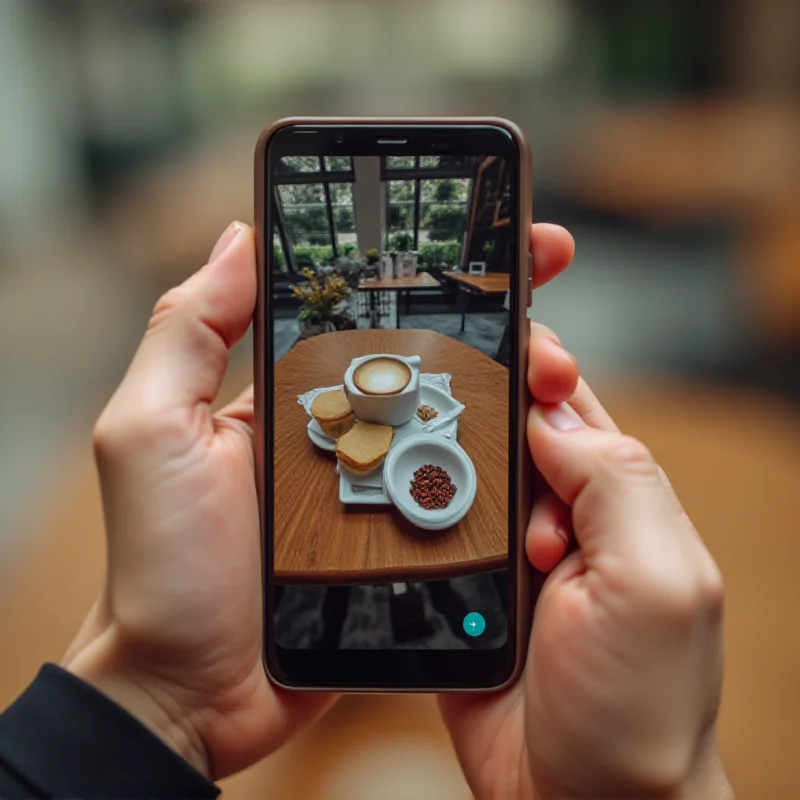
x: 474, y: 624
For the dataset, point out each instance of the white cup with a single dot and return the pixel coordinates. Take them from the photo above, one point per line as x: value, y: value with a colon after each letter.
x: 386, y: 400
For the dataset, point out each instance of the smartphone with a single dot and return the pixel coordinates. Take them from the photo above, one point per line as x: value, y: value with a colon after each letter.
x: 394, y: 277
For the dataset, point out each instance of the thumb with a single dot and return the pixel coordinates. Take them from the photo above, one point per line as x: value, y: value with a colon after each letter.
x: 619, y: 501
x: 184, y: 353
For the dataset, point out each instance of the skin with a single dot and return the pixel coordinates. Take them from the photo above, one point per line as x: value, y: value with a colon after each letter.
x: 175, y: 636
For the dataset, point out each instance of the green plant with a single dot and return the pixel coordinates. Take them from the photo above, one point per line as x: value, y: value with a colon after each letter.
x: 344, y: 219
x: 401, y: 242
x: 400, y: 217
x: 372, y: 256
x: 446, y: 190
x: 446, y: 222
x: 434, y: 253
x: 278, y: 258
x: 320, y: 294
x: 312, y: 256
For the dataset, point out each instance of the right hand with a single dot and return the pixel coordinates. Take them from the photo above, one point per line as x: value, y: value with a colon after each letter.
x: 622, y: 684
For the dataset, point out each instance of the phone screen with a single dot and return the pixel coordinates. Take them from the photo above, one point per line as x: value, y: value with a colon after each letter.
x: 391, y: 266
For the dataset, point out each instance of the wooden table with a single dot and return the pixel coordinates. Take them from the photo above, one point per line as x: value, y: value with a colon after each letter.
x: 422, y: 280
x: 490, y: 283
x: 320, y: 540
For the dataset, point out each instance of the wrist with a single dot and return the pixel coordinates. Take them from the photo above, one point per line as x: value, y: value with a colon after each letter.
x: 704, y: 779
x: 707, y: 780
x: 147, y: 699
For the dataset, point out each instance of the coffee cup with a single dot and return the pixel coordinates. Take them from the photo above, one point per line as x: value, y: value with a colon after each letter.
x: 383, y: 388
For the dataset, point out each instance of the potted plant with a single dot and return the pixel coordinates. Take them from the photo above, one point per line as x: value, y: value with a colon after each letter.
x: 322, y: 295
x: 372, y: 257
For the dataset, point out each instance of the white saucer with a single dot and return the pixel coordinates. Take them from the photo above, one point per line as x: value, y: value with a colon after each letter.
x: 319, y: 437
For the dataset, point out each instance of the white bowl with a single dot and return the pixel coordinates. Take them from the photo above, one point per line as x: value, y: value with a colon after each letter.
x: 416, y: 451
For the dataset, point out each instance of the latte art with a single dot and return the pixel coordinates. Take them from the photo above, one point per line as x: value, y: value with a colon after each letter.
x: 382, y: 376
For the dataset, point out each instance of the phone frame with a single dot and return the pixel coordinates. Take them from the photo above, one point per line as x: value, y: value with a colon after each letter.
x: 501, y: 672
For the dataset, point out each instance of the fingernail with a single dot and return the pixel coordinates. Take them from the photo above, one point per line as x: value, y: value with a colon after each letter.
x: 224, y: 241
x: 562, y: 417
x: 562, y: 534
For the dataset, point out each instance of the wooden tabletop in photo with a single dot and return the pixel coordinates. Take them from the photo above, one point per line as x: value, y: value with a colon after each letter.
x: 422, y: 280
x: 490, y: 283
x: 320, y: 540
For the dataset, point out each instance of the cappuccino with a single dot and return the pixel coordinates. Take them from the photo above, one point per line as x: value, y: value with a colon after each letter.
x: 382, y: 376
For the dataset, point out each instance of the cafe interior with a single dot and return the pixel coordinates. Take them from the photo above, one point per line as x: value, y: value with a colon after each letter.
x: 449, y: 213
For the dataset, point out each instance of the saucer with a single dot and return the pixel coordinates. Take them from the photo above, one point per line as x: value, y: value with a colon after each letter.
x: 319, y: 437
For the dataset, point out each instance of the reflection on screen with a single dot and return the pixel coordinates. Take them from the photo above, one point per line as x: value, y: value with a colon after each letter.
x: 391, y: 279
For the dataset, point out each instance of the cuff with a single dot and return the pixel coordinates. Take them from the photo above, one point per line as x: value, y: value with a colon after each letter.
x: 66, y: 739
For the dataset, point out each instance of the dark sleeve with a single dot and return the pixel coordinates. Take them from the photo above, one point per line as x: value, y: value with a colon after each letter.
x: 64, y: 739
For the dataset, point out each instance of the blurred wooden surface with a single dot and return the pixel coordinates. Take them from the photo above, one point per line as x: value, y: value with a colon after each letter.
x: 737, y: 162
x: 734, y: 460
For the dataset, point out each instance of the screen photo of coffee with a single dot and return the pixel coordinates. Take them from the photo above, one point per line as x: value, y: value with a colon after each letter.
x: 391, y: 285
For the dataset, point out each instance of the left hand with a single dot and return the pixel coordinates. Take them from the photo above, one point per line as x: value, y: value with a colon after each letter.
x: 176, y: 635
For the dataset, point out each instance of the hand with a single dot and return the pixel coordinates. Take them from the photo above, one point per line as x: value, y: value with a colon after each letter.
x: 175, y: 637
x: 622, y: 683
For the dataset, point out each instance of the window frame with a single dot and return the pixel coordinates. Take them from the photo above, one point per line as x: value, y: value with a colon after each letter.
x: 417, y: 174
x: 326, y: 177
x: 322, y: 176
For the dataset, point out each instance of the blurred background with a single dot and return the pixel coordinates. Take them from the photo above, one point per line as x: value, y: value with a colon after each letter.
x: 666, y: 136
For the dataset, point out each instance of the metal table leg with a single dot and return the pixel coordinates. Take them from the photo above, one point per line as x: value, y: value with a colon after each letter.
x: 464, y: 300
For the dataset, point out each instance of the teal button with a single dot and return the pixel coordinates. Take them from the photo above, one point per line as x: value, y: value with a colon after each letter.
x: 474, y: 623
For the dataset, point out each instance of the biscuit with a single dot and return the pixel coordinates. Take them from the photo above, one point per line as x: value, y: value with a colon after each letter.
x: 364, y: 447
x: 332, y: 412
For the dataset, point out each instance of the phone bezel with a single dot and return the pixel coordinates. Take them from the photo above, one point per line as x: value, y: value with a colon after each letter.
x: 401, y: 670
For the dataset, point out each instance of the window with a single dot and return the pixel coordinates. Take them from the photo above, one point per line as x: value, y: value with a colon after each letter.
x: 338, y: 164
x: 400, y: 215
x: 428, y: 201
x: 289, y: 164
x: 399, y: 162
x: 344, y: 219
x: 316, y: 223
x: 443, y: 209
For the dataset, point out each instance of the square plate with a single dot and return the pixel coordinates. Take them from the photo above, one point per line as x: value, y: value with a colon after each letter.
x: 369, y: 489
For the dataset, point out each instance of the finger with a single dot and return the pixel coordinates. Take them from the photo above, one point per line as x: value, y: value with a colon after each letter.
x: 590, y: 409
x: 552, y: 249
x: 548, y: 534
x: 552, y: 371
x: 611, y: 481
x: 183, y: 355
x: 242, y: 408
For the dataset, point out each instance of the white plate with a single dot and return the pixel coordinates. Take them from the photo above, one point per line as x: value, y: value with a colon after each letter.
x: 319, y: 437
